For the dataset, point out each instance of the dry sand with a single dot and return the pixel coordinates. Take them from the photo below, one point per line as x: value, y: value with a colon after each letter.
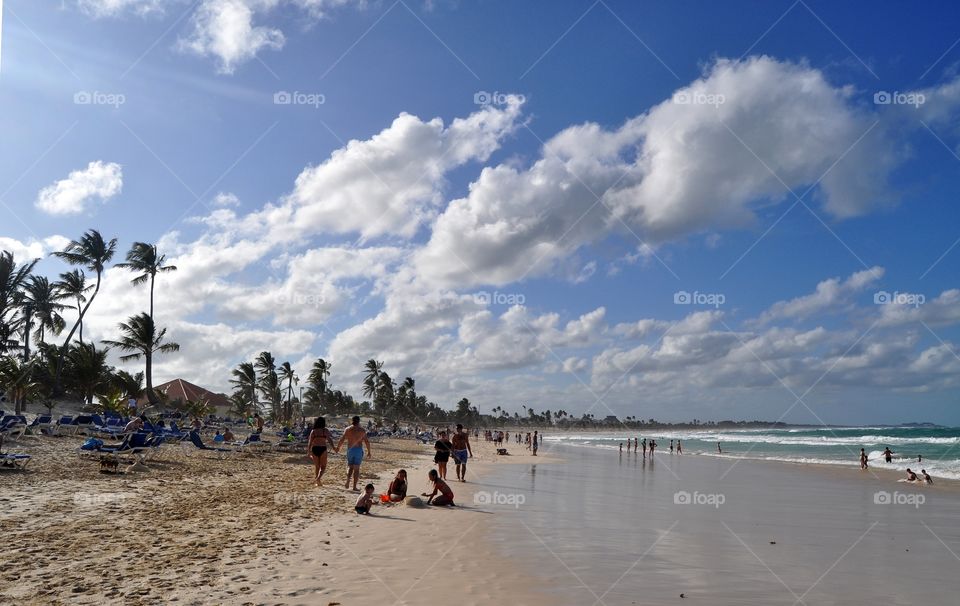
x: 193, y: 526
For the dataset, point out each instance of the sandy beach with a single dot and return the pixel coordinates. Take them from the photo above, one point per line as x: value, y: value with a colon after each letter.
x: 572, y: 526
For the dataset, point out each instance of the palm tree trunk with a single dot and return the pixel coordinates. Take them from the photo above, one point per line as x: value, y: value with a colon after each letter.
x: 57, y: 390
x: 81, y: 322
x: 152, y: 277
x: 151, y: 397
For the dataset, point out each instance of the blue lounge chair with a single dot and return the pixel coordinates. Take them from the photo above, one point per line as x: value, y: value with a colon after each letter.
x: 14, y: 461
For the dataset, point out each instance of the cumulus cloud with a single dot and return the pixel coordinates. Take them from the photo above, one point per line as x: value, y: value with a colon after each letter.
x: 682, y: 168
x: 228, y: 30
x: 829, y: 294
x: 82, y: 188
x: 32, y: 248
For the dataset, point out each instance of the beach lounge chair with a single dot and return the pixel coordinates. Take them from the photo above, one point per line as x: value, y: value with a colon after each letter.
x: 42, y: 424
x: 13, y: 427
x: 84, y: 424
x: 194, y: 438
x: 65, y: 426
x: 14, y: 461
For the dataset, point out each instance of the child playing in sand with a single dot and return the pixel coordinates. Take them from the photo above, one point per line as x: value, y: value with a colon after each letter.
x: 446, y: 495
x: 398, y: 487
x: 365, y: 500
x: 911, y: 476
x: 926, y: 476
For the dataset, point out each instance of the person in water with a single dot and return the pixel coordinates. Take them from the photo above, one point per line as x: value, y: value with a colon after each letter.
x: 911, y: 476
x: 863, y: 459
x: 446, y: 494
x: 888, y: 455
x: 679, y: 447
x: 926, y: 476
x: 365, y: 500
x: 719, y: 451
x: 356, y: 438
x: 398, y: 487
x: 317, y: 448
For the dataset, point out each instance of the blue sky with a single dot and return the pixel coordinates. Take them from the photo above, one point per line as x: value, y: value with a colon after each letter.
x: 636, y: 151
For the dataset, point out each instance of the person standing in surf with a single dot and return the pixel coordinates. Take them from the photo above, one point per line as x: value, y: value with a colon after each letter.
x: 863, y: 459
x: 679, y: 448
x: 356, y: 438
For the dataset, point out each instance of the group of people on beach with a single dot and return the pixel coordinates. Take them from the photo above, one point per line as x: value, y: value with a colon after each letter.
x: 888, y: 458
x: 531, y: 440
x: 637, y: 443
x: 320, y: 442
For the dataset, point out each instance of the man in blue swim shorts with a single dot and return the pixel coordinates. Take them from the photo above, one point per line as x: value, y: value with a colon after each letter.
x: 356, y: 438
x: 461, y: 451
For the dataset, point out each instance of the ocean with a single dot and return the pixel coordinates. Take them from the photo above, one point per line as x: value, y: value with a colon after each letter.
x: 938, y: 447
x: 607, y: 528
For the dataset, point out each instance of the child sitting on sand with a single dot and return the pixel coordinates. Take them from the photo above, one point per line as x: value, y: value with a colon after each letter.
x: 446, y: 495
x: 365, y: 500
x: 398, y: 487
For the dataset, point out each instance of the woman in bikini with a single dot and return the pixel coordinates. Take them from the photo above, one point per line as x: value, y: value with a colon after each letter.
x: 317, y: 447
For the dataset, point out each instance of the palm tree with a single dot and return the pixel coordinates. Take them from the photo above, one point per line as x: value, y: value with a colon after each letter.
x: 141, y: 338
x: 16, y: 379
x: 269, y: 382
x: 287, y: 374
x: 144, y: 258
x: 94, y: 253
x: 87, y: 373
x: 130, y: 385
x: 41, y: 301
x: 246, y: 382
x: 318, y: 382
x: 13, y: 278
x: 73, y: 284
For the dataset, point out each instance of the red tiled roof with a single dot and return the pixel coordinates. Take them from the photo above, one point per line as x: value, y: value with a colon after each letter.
x: 178, y: 389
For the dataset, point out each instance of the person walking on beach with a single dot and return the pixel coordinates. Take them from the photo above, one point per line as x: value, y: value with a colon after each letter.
x: 356, y: 439
x: 719, y: 451
x: 536, y: 439
x: 671, y: 446
x: 644, y: 448
x: 317, y: 448
x: 444, y: 448
x: 863, y: 459
x: 446, y: 494
x: 679, y: 448
x: 461, y: 451
x: 636, y: 445
x: 653, y: 446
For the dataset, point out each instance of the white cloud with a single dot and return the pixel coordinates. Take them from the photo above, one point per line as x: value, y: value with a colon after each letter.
x: 226, y: 199
x: 33, y: 248
x: 227, y: 30
x: 98, y: 182
x: 115, y: 8
x: 829, y: 294
x: 676, y: 170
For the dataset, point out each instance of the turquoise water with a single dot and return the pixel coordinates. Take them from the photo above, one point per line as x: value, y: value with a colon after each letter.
x: 939, y: 447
